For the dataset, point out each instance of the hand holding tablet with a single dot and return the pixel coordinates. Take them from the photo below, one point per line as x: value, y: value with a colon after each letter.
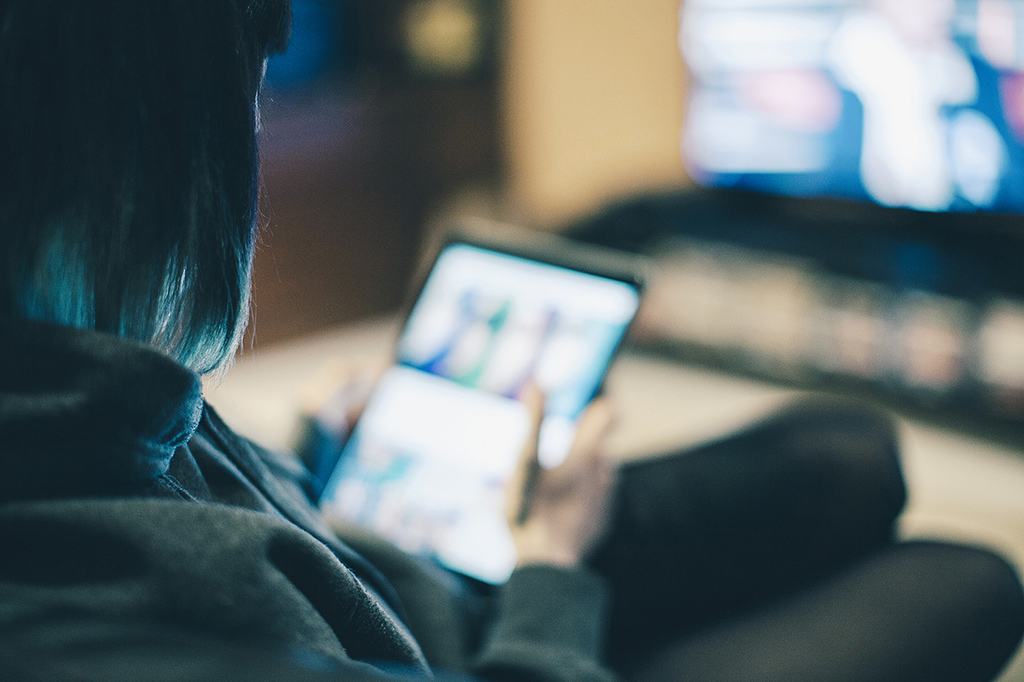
x: 428, y: 464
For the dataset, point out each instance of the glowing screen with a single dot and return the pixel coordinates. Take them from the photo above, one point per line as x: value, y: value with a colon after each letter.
x: 427, y: 464
x: 910, y: 103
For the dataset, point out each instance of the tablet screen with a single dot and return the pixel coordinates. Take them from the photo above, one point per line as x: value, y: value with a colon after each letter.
x: 427, y: 464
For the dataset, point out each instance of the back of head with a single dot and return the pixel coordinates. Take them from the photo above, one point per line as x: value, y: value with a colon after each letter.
x: 128, y: 166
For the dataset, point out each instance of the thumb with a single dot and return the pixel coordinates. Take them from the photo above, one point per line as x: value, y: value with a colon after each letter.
x: 524, y: 478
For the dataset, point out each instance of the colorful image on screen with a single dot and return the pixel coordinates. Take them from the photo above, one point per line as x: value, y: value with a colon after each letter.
x: 492, y: 321
x: 429, y: 460
x: 906, y: 103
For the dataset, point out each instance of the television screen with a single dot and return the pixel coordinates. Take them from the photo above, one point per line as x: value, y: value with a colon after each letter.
x: 906, y: 103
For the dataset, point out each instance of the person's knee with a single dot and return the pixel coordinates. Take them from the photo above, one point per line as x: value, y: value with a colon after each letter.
x: 853, y: 449
x: 959, y: 608
x: 979, y: 584
x: 911, y: 612
x: 848, y: 431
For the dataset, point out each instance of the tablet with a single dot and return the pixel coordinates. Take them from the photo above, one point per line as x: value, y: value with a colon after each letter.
x: 427, y: 464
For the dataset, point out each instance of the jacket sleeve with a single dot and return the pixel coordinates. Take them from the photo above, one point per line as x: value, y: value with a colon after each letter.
x: 549, y: 627
x: 548, y: 624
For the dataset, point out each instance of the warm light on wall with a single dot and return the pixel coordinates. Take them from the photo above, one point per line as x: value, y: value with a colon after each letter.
x: 593, y: 103
x: 444, y: 37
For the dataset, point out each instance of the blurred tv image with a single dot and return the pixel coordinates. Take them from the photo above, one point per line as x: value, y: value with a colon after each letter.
x: 904, y: 103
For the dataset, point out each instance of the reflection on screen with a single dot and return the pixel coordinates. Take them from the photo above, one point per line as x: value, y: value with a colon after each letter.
x: 428, y: 463
x: 913, y: 103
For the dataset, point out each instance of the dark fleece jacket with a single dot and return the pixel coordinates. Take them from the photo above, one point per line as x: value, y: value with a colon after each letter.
x: 141, y: 539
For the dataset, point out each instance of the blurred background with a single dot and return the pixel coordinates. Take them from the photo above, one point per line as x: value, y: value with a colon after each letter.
x: 385, y: 114
x: 830, y: 190
x: 830, y: 194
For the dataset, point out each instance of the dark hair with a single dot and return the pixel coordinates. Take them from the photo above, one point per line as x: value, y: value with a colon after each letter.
x: 129, y: 167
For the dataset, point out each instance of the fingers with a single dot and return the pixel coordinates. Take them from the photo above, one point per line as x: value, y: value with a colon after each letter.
x: 584, y: 462
x: 524, y: 479
x: 594, y: 426
x: 592, y: 432
x: 569, y: 509
x: 340, y: 389
x: 533, y: 400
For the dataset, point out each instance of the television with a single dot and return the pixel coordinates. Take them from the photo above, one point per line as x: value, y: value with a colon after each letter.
x: 857, y: 215
x: 909, y: 103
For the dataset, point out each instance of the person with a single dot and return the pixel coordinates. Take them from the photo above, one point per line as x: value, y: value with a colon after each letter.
x: 909, y: 74
x: 141, y: 539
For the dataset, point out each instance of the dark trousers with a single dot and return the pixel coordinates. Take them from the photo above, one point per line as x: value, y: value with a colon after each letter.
x: 769, y: 555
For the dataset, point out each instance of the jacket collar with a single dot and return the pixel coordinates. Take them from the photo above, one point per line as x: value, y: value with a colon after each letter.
x: 84, y: 413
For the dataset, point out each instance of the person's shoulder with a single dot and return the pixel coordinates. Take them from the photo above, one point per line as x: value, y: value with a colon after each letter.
x: 214, y: 568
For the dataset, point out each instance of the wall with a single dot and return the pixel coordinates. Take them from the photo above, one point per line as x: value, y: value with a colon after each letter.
x: 593, y: 103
